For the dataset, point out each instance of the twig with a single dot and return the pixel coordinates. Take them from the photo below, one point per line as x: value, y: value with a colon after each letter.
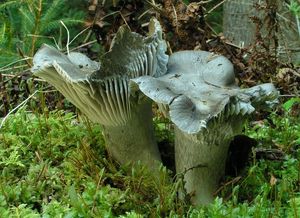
x: 295, y: 73
x: 12, y: 76
x: 21, y: 53
x: 38, y: 16
x: 210, y: 27
x: 234, y: 180
x: 13, y: 68
x: 124, y: 20
x: 15, y: 76
x: 155, y: 6
x: 12, y: 63
x: 298, y: 24
x: 112, y: 13
x: 19, y: 106
x: 68, y: 36
x: 215, y: 7
x: 83, y: 45
x: 47, y: 37
x: 194, y: 167
x: 204, y: 2
x: 82, y: 31
x: 39, y: 80
x: 287, y: 20
x: 288, y: 95
x: 176, y: 18
x: 143, y: 14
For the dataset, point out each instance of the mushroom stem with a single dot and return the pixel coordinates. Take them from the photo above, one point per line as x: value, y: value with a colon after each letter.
x: 134, y: 141
x: 201, y: 157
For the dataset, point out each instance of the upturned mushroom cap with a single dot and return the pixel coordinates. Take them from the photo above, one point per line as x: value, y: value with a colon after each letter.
x: 103, y: 93
x: 200, y: 86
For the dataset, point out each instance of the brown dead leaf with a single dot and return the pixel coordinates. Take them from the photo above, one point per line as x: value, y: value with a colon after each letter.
x: 273, y: 180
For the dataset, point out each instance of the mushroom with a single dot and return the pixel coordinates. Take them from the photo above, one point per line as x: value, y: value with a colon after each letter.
x: 103, y: 95
x: 208, y: 109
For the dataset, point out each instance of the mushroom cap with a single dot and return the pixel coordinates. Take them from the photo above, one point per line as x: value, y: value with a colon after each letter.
x: 102, y: 93
x: 74, y: 67
x: 199, y: 86
x: 134, y: 55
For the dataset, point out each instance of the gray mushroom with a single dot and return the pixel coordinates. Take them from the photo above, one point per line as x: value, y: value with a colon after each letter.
x: 208, y: 109
x: 102, y: 93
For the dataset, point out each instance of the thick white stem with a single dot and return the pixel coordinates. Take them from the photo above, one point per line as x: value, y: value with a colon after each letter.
x: 134, y: 141
x: 201, y: 157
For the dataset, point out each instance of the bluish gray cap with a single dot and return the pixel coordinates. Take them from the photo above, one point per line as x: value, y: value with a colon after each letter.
x: 200, y: 86
x: 102, y: 93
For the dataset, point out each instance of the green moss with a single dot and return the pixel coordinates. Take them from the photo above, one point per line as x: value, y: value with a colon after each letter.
x: 54, y: 164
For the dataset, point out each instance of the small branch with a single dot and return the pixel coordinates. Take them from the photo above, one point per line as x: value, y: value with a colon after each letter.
x: 175, y: 17
x: 36, y: 26
x: 215, y: 7
x: 47, y: 37
x: 19, y: 106
x: 204, y: 2
x: 25, y: 57
x: 288, y: 96
x: 123, y: 18
x: 194, y: 167
x: 15, y: 62
x: 298, y: 24
x: 295, y: 73
x: 68, y: 36
x: 13, y: 68
x: 143, y: 14
x: 110, y: 14
x: 14, y: 76
x: 82, y: 31
x: 83, y: 45
x: 155, y: 7
x: 233, y: 181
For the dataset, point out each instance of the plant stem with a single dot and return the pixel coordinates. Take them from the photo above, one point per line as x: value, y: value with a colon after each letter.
x: 36, y: 26
x: 298, y: 24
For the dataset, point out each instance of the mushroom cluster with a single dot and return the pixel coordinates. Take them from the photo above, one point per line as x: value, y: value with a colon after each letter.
x: 197, y: 89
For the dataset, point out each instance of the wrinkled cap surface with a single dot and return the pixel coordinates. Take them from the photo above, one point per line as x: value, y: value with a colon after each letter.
x: 102, y: 93
x: 134, y: 55
x: 199, y: 86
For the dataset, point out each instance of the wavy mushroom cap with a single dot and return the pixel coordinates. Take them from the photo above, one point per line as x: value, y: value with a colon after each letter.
x: 103, y: 93
x: 199, y: 86
x: 134, y: 55
x: 213, y: 68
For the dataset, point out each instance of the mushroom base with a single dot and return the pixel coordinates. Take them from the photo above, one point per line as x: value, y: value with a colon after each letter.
x: 135, y: 141
x: 201, y: 157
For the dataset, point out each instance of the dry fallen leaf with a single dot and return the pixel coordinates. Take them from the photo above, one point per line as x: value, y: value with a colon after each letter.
x: 273, y: 180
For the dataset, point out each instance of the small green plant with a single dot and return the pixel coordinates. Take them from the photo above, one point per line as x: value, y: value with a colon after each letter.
x: 55, y: 164
x: 290, y: 103
x: 294, y: 7
x: 26, y: 24
x: 281, y: 129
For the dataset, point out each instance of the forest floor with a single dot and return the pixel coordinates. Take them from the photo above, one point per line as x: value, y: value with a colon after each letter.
x: 53, y: 161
